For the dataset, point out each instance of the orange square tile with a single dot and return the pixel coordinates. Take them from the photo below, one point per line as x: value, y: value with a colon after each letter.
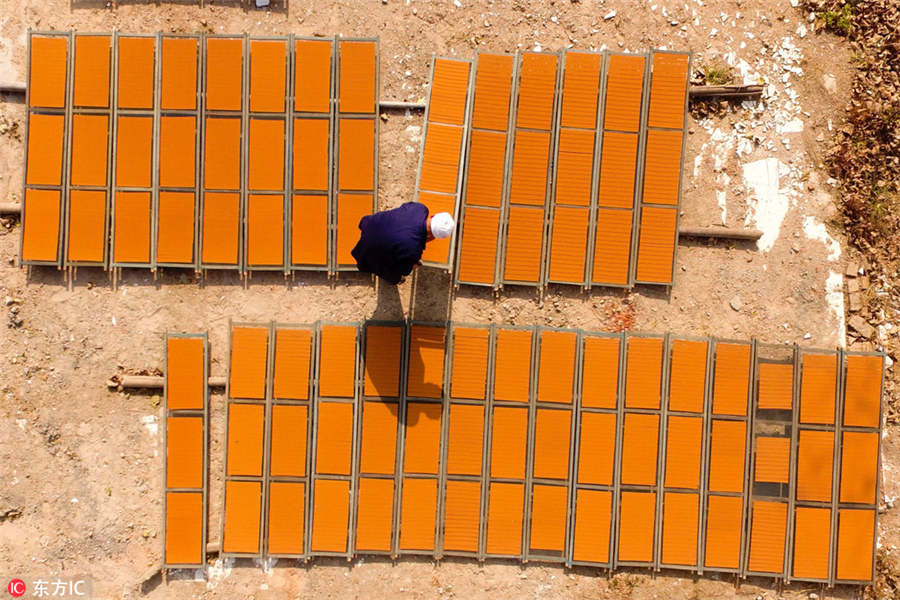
x: 221, y: 228
x: 504, y: 526
x: 818, y: 386
x: 531, y: 156
x: 175, y: 229
x: 593, y: 512
x: 426, y: 361
x: 469, y: 369
x: 815, y: 458
x: 265, y: 230
x: 524, y: 241
x: 357, y: 68
x: 683, y: 444
x: 776, y: 386
x: 440, y: 158
x: 331, y: 515
x: 418, y: 510
x: 247, y: 371
x: 286, y: 517
x: 643, y: 372
x: 268, y: 75
x: 224, y: 73
x: 856, y: 544
x: 184, y: 452
x: 356, y: 154
x: 556, y: 368
x: 351, y: 208
x: 184, y: 528
x: 462, y: 513
x: 177, y: 139
x: 465, y: 439
x: 45, y: 149
x: 312, y: 141
x: 493, y: 83
x: 449, y: 91
x: 668, y: 86
x: 723, y: 532
x: 574, y: 165
x: 581, y: 82
x: 222, y: 159
x: 618, y: 161
x: 40, y: 238
x: 91, y: 80
x: 512, y: 368
x: 87, y: 226
x: 384, y: 346
x: 90, y: 138
x: 379, y: 437
x: 637, y: 514
x: 312, y: 76
x: 859, y: 467
x: 337, y: 361
x: 131, y: 232
x: 551, y: 443
x: 288, y: 443
x: 486, y: 166
x: 548, y: 518
x: 179, y: 74
x: 639, y: 448
x: 509, y: 433
x: 478, y: 246
x: 309, y: 230
x: 597, y: 448
x: 537, y: 88
x: 423, y: 438
x: 568, y: 244
x: 334, y: 437
x: 266, y: 168
x: 656, y: 246
x: 773, y: 459
x: 185, y: 388
x: 662, y: 167
x: 436, y: 250
x: 862, y: 391
x: 600, y: 373
x: 137, y: 56
x: 687, y: 381
x: 134, y: 149
x: 679, y: 532
x: 731, y: 379
x: 246, y: 428
x: 767, y: 536
x: 612, y: 246
x: 812, y: 537
x: 293, y: 352
x: 727, y: 456
x: 624, y: 88
x: 47, y: 80
x: 375, y: 515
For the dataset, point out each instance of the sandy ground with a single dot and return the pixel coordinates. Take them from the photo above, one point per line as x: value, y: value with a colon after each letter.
x: 82, y: 466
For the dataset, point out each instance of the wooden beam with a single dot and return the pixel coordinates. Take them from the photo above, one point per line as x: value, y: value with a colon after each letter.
x: 722, y: 233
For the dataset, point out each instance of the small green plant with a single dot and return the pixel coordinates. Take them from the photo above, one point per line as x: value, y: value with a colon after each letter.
x: 718, y: 74
x: 838, y: 20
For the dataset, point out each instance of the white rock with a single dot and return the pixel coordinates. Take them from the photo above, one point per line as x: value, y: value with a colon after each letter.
x: 457, y: 3
x: 609, y: 15
x: 261, y: 3
x: 830, y: 83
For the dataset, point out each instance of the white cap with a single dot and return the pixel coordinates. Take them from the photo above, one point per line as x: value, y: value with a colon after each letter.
x: 442, y: 225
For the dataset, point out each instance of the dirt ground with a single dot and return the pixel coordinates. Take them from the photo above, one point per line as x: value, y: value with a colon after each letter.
x: 82, y: 466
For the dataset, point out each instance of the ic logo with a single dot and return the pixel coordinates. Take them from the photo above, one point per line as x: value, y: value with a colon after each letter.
x: 16, y: 588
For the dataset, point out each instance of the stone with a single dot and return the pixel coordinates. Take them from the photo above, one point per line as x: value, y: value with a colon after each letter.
x: 830, y: 83
x: 852, y: 269
x: 852, y: 286
x: 858, y: 324
x: 855, y: 299
x: 736, y: 303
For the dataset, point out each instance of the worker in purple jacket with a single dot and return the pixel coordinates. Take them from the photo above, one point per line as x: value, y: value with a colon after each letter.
x: 391, y: 242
